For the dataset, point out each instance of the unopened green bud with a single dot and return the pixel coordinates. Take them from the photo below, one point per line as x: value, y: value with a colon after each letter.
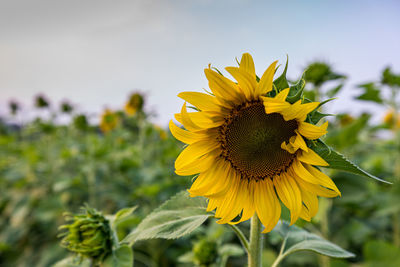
x: 88, y: 235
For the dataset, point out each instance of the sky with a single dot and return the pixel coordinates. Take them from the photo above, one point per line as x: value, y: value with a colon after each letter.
x: 94, y: 53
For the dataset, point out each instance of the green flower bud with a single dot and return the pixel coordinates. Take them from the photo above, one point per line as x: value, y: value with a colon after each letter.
x: 205, y: 252
x: 88, y: 235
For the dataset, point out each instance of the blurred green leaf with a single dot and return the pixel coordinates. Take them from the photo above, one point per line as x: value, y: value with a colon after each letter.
x: 371, y: 93
x: 381, y: 253
x: 338, y: 161
x: 298, y: 239
x: 177, y: 217
x: 121, y: 257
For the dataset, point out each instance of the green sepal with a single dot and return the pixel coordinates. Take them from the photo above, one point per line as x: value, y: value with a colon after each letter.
x: 338, y: 161
x: 281, y: 82
x: 296, y: 91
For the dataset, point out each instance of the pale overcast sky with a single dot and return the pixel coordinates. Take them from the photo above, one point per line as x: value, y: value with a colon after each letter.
x: 95, y: 52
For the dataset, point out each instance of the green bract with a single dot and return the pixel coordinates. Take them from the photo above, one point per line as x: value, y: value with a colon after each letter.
x: 89, y: 235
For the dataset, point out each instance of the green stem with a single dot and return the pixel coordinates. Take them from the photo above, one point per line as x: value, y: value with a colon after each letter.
x: 281, y: 254
x: 241, y: 237
x: 255, y: 248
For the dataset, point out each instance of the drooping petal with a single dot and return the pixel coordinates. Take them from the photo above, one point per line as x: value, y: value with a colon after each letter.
x: 317, y: 189
x: 311, y: 175
x: 267, y: 204
x: 289, y: 193
x: 312, y: 158
x: 311, y: 131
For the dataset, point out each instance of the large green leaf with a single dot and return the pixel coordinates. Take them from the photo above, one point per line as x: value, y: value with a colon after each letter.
x: 338, y: 161
x: 297, y: 239
x: 121, y: 257
x: 177, y: 217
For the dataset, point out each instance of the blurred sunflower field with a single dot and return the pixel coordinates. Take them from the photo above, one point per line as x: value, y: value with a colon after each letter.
x: 122, y: 169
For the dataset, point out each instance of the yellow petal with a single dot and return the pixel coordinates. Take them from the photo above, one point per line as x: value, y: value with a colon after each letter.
x: 186, y: 136
x: 265, y: 84
x: 324, y: 179
x: 202, y: 120
x: 195, y: 151
x: 186, y: 120
x: 247, y: 64
x: 311, y: 202
x: 202, y: 101
x: 247, y: 82
x: 266, y: 203
x: 316, y: 189
x: 311, y: 131
x: 200, y: 164
x: 224, y: 89
x: 312, y: 158
x: 214, y: 182
x: 289, y: 193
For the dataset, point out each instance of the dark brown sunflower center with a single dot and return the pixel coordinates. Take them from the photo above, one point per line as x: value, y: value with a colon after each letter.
x: 251, y: 141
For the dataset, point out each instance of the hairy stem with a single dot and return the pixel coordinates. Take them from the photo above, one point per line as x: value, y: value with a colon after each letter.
x: 255, y: 247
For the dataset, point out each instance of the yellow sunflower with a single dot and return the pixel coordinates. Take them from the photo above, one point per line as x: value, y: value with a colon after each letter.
x: 134, y: 104
x: 250, y: 149
x: 109, y: 120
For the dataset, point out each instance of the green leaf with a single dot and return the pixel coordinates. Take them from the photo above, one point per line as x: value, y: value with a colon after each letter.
x: 123, y: 214
x: 338, y: 161
x: 298, y: 239
x: 371, y: 93
x: 296, y: 91
x: 121, y: 257
x: 332, y: 92
x: 380, y: 253
x: 72, y: 262
x: 177, y: 217
x: 281, y: 82
x: 231, y: 250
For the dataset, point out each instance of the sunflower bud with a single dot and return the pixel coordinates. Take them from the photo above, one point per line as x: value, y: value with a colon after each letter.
x: 205, y: 252
x: 134, y: 104
x: 41, y: 102
x: 89, y: 235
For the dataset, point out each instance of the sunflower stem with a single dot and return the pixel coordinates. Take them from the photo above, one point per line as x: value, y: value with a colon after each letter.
x: 241, y: 237
x: 255, y: 247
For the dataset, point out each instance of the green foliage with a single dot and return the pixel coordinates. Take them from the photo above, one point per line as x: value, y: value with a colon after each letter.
x: 370, y: 93
x: 380, y: 253
x: 177, y: 217
x: 338, y: 161
x: 297, y: 239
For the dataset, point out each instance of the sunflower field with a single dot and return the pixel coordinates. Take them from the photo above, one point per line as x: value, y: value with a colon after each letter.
x: 253, y: 172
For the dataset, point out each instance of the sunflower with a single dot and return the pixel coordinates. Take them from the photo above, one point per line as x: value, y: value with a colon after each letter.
x: 247, y: 144
x: 109, y: 120
x: 134, y: 104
